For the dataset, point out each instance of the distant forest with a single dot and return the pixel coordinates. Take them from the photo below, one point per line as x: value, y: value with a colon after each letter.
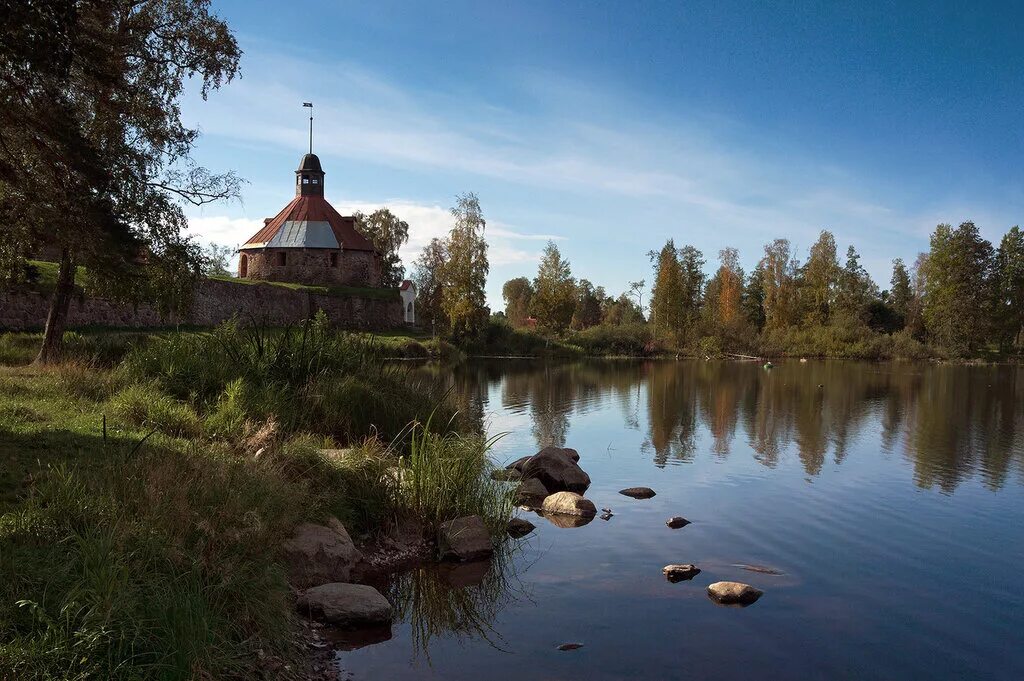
x: 962, y: 298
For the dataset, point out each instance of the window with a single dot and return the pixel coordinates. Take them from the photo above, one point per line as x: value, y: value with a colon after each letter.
x: 305, y: 180
x: 334, y: 259
x: 315, y: 181
x: 281, y: 259
x: 243, y: 266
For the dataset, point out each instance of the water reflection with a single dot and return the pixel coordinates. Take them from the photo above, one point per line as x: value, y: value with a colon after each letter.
x: 952, y: 421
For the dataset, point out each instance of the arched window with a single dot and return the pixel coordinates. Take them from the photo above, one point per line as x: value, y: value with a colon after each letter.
x: 243, y: 266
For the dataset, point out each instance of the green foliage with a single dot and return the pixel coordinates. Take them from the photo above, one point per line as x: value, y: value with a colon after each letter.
x: 554, y: 291
x: 388, y: 234
x: 633, y: 340
x: 145, y: 406
x: 518, y: 293
x: 464, y: 272
x: 959, y: 289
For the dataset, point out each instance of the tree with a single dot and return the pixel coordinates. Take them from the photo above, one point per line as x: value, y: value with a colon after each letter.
x: 216, y: 259
x: 388, y: 234
x: 691, y: 267
x: 1009, y: 283
x: 752, y: 301
x: 901, y: 294
x: 428, y: 273
x: 724, y: 293
x: 820, y: 280
x: 778, y: 283
x: 958, y: 288
x: 622, y: 311
x: 915, y: 310
x: 588, y: 306
x: 554, y: 291
x: 463, y: 295
x: 517, y: 293
x: 856, y: 289
x: 94, y: 158
x: 667, y: 294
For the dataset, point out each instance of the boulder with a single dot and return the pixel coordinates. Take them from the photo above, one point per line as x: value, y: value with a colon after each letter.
x: 557, y: 470
x: 733, y: 593
x: 638, y: 492
x: 506, y: 475
x: 345, y: 605
x: 531, y: 492
x: 464, y: 539
x: 680, y: 572
x: 518, y: 464
x: 676, y: 522
x: 520, y: 527
x: 319, y: 554
x: 569, y: 503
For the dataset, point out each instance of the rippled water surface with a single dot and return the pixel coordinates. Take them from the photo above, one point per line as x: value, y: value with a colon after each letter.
x: 890, y: 497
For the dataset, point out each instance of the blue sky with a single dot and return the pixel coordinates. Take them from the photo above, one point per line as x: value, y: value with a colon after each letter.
x: 611, y: 127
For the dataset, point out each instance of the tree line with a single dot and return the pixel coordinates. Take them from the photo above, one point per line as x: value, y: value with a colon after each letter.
x: 963, y: 297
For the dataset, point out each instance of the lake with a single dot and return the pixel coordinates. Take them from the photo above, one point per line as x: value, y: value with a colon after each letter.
x: 890, y: 497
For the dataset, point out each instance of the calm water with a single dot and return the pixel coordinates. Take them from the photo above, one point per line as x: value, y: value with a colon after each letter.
x: 890, y: 496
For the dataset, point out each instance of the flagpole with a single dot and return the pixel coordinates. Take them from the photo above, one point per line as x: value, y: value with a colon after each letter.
x: 310, y: 105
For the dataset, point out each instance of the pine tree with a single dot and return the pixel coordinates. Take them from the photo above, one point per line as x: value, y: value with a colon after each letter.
x: 900, y: 292
x: 668, y: 303
x: 1009, y: 284
x: 820, y: 280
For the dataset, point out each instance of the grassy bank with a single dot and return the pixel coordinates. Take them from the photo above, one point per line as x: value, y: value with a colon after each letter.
x: 142, y: 501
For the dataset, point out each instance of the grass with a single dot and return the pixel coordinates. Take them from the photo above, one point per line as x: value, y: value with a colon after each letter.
x: 142, y: 501
x: 337, y: 291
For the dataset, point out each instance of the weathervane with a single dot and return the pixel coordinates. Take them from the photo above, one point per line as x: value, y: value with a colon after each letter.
x: 310, y: 105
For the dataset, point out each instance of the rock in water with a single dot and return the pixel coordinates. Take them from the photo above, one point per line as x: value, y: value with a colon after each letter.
x: 570, y: 646
x: 733, y: 593
x: 319, y: 554
x: 345, y: 605
x: 638, y: 492
x: 531, y: 492
x: 569, y: 503
x: 557, y: 470
x: 518, y: 464
x: 464, y: 539
x: 506, y: 475
x: 762, y: 569
x: 680, y: 572
x: 676, y: 522
x: 520, y: 527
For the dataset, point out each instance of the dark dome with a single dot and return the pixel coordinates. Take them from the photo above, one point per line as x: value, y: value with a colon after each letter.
x: 311, y: 163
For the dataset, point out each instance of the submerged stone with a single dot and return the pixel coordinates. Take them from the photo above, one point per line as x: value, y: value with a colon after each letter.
x: 638, y: 492
x: 733, y: 593
x: 676, y: 522
x: 520, y: 527
x: 680, y: 572
x: 570, y: 646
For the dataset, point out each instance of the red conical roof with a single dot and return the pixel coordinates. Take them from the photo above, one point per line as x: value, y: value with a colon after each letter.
x: 310, y: 222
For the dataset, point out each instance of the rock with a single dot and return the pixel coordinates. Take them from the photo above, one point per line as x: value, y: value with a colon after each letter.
x: 345, y: 605
x: 607, y: 516
x: 569, y: 503
x: 520, y: 527
x: 566, y: 522
x: 733, y: 593
x: 570, y: 646
x: 320, y: 554
x: 762, y: 569
x: 676, y: 522
x: 506, y: 475
x: 557, y: 470
x: 531, y: 492
x: 680, y: 572
x: 464, y: 539
x: 518, y: 464
x: 638, y: 492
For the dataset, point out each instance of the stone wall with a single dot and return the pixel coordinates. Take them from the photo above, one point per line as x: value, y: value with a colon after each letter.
x: 215, y: 302
x: 314, y: 266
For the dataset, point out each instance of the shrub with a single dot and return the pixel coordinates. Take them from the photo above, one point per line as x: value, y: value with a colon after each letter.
x: 633, y: 340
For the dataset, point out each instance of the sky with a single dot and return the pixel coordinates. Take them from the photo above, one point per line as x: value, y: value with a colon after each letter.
x: 609, y: 127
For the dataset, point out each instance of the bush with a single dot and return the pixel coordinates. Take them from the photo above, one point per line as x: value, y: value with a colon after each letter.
x: 634, y: 340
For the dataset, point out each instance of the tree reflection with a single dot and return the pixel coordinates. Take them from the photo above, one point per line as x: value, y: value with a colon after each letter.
x: 951, y: 422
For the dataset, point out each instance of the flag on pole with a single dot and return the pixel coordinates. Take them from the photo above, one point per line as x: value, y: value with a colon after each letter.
x: 309, y: 104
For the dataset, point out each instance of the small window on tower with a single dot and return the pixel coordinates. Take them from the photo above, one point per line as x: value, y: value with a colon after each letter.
x: 315, y: 181
x: 281, y: 259
x: 305, y: 180
x: 334, y: 259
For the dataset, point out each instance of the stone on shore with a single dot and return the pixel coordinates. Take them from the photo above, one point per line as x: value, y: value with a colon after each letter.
x: 520, y: 527
x: 638, y: 492
x: 569, y: 503
x: 464, y: 539
x: 345, y: 605
x: 518, y: 464
x: 558, y: 470
x: 733, y: 593
x: 680, y: 572
x: 320, y: 554
x: 676, y: 522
